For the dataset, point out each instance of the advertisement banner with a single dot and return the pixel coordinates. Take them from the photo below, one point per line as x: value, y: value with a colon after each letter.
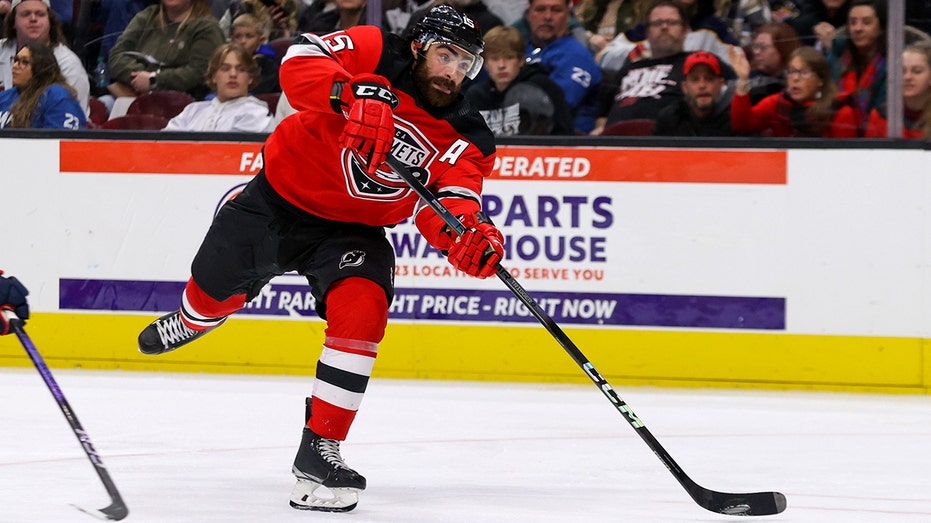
x: 566, y: 214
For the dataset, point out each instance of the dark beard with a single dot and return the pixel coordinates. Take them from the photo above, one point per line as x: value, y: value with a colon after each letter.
x: 424, y: 84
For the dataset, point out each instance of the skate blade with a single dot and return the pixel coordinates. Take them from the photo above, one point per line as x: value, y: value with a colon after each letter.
x: 310, y: 495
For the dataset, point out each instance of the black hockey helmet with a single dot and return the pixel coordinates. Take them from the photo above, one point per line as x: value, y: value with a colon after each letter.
x: 444, y: 24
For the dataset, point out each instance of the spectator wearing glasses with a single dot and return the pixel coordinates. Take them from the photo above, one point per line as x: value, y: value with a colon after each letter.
x: 230, y: 74
x: 773, y: 43
x: 33, y: 22
x: 649, y: 81
x: 916, y: 95
x: 702, y: 33
x: 808, y: 107
x: 700, y: 15
x: 39, y: 97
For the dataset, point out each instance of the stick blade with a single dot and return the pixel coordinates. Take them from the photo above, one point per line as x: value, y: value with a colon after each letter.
x: 114, y: 512
x: 752, y: 504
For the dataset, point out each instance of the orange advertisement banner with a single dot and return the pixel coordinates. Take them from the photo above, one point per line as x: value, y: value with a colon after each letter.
x: 95, y: 156
x: 608, y: 164
x: 531, y: 163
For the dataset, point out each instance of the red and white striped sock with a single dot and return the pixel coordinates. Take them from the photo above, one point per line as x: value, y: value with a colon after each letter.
x: 357, y: 313
x: 201, y: 312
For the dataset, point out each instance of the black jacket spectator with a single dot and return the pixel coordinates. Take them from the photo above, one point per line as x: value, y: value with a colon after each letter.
x: 813, y: 13
x: 679, y: 120
x: 531, y: 104
x: 642, y: 88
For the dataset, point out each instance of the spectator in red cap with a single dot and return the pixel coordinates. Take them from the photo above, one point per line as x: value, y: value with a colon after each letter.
x: 808, y: 107
x: 647, y: 84
x: 705, y: 109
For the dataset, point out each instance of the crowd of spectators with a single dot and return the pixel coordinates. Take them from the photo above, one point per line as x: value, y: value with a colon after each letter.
x: 552, y: 67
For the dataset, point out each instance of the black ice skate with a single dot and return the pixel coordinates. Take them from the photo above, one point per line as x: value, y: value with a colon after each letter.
x: 168, y: 333
x: 317, y: 464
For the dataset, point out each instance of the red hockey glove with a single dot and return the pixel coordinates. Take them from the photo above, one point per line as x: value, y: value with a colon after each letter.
x: 368, y: 103
x: 12, y: 297
x: 478, y: 250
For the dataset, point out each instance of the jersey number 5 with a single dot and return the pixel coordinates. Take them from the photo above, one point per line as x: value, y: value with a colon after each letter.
x: 339, y: 42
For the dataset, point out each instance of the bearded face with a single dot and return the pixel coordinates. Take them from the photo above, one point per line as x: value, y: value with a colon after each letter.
x: 439, y: 74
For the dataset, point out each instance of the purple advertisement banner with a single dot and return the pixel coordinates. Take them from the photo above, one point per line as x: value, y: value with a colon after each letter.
x: 580, y: 308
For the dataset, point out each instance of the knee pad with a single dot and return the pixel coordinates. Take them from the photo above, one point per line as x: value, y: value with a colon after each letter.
x: 357, y: 309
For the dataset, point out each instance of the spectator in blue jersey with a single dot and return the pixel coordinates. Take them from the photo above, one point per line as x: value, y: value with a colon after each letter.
x: 569, y: 62
x: 40, y: 97
x: 34, y: 22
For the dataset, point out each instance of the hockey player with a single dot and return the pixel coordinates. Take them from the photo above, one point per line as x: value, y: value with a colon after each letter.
x: 321, y: 203
x: 13, y: 297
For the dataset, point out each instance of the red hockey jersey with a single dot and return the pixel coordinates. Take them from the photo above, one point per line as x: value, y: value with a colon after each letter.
x: 449, y: 149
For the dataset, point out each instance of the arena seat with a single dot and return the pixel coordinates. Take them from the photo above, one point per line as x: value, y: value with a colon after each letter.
x: 99, y: 113
x: 138, y: 122
x: 281, y: 45
x: 166, y: 104
x: 639, y: 127
x: 271, y: 99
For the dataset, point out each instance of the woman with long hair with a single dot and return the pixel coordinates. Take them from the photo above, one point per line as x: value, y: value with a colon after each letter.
x: 916, y: 97
x: 35, y: 22
x: 858, y: 57
x: 40, y: 97
x: 809, y: 106
x: 166, y: 46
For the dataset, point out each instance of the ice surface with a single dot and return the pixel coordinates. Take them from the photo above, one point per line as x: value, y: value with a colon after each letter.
x: 191, y: 448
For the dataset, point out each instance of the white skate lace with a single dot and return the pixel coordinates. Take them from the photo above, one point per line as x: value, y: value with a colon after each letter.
x: 329, y: 451
x: 173, y: 330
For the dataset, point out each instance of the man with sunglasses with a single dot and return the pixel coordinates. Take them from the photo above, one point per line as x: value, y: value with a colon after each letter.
x: 320, y: 205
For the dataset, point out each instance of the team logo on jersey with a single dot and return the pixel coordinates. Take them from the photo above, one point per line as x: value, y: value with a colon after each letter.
x: 352, y: 259
x: 410, y: 147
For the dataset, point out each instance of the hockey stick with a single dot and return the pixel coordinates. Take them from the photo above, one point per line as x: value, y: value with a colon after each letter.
x: 117, y: 509
x: 750, y: 504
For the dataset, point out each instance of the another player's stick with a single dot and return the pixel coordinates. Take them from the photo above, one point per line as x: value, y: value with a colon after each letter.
x: 117, y: 509
x: 751, y: 504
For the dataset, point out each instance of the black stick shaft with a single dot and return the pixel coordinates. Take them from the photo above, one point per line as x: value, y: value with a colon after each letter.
x: 117, y: 510
x: 738, y: 504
